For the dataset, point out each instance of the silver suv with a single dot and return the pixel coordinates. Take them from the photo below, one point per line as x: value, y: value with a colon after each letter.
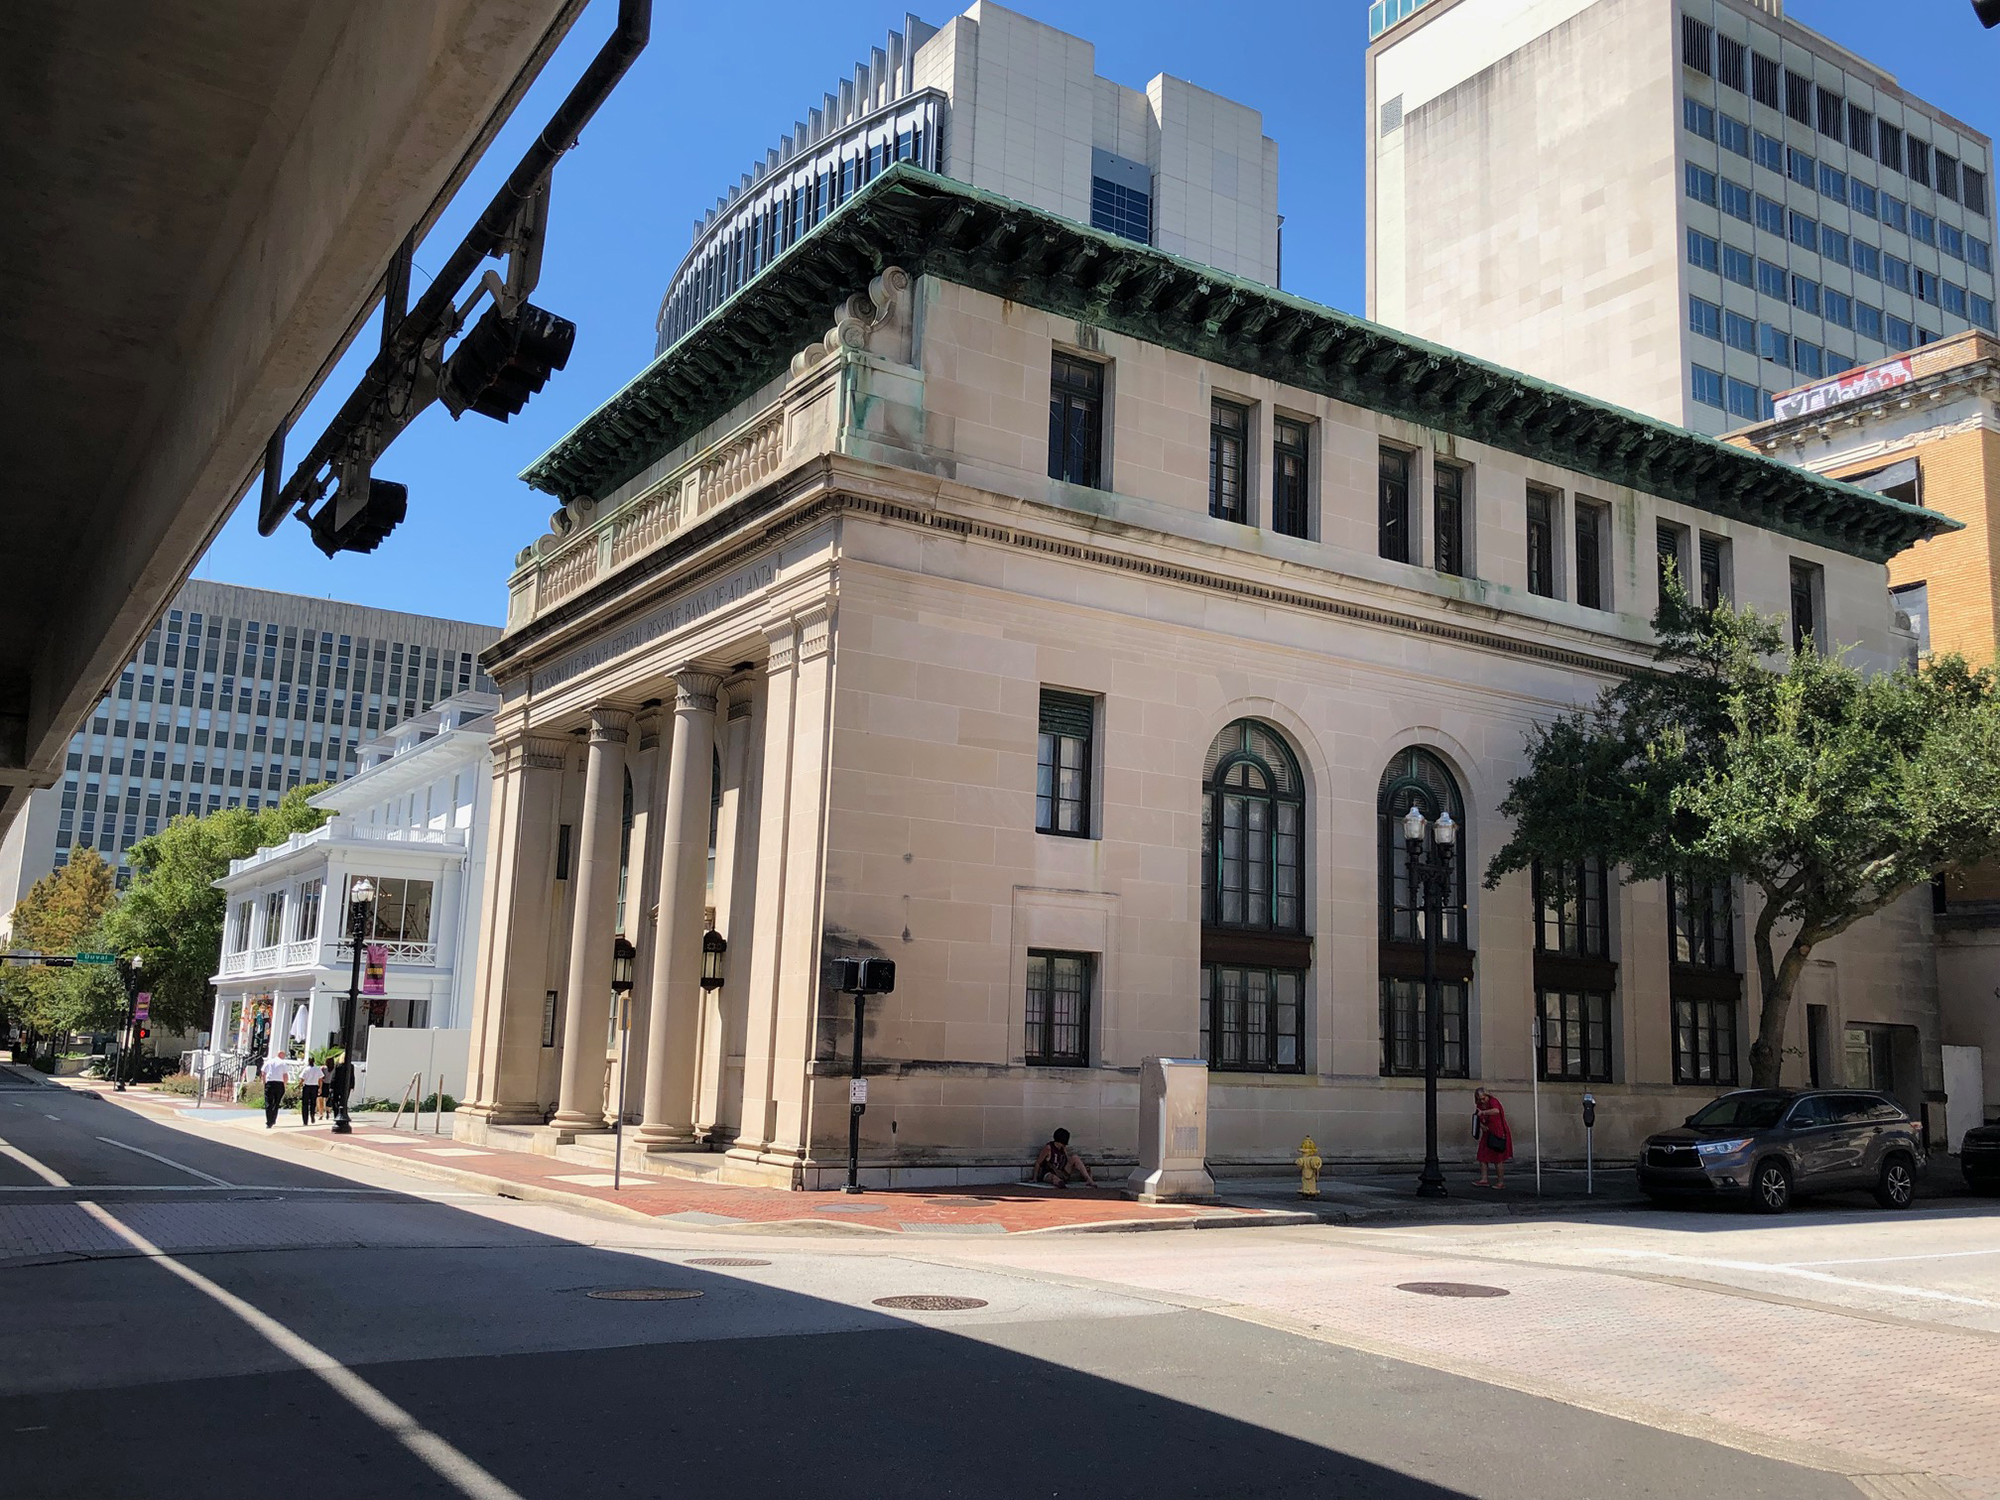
x: 1768, y: 1144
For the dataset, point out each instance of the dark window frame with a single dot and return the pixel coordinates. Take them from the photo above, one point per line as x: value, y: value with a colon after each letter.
x: 1589, y: 523
x: 1575, y: 901
x: 1543, y: 505
x: 1448, y: 486
x: 1404, y: 1021
x: 1271, y: 780
x: 1229, y: 460
x: 1805, y: 599
x: 1065, y: 742
x: 1575, y: 1029
x: 1393, y: 476
x: 1254, y: 1039
x: 1291, y: 476
x: 1076, y: 420
x: 1046, y: 1029
x: 1705, y: 1040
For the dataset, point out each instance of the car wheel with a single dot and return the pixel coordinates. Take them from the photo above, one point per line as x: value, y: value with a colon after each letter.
x: 1771, y: 1188
x: 1898, y: 1185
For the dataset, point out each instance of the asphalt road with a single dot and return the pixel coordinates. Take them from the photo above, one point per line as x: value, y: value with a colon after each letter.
x: 180, y: 1316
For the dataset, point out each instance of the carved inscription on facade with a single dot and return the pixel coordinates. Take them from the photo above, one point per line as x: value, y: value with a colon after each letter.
x: 662, y: 622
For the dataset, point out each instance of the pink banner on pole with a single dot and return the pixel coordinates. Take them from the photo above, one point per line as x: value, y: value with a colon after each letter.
x: 375, y: 971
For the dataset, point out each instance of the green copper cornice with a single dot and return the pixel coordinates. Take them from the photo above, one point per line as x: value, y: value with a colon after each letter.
x: 932, y: 225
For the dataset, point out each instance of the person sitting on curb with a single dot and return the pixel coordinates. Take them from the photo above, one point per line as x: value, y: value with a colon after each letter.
x: 1058, y: 1166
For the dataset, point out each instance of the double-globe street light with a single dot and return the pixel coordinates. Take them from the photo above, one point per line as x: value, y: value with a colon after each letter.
x: 360, y: 910
x: 1429, y: 867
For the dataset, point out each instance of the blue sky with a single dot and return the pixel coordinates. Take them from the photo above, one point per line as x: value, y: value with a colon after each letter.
x: 705, y: 99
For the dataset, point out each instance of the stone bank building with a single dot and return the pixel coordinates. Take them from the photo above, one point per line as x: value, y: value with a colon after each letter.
x: 1068, y: 621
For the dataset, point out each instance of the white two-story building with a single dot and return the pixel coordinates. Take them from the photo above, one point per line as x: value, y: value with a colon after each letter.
x: 411, y: 820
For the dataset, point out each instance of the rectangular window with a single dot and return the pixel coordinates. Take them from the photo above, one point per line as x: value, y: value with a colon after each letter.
x: 1923, y: 228
x: 1670, y: 545
x: 1393, y: 517
x: 1735, y: 200
x: 1448, y: 519
x: 1806, y: 359
x: 1703, y: 251
x: 1291, y: 474
x: 1805, y: 605
x: 1860, y: 131
x: 1925, y: 285
x: 1889, y: 145
x: 1228, y: 442
x: 1772, y: 280
x: 1698, y: 118
x: 1711, y: 561
x: 1404, y: 1051
x: 1896, y: 272
x: 1951, y: 240
x: 274, y: 920
x: 1058, y: 1009
x: 1982, y: 312
x: 1770, y: 216
x: 1590, y: 532
x: 1541, y: 542
x: 1798, y: 97
x: 1744, y: 400
x: 1867, y: 260
x: 1734, y: 135
x: 1076, y: 421
x: 1833, y: 182
x: 1253, y: 1020
x: 1573, y: 915
x: 1919, y: 153
x: 1705, y: 1040
x: 1739, y: 332
x: 1837, y: 308
x: 1900, y: 335
x: 1729, y: 63
x: 1862, y: 196
x: 1774, y: 345
x: 1799, y: 166
x: 1062, y: 769
x: 1895, y: 213
x: 1978, y: 254
x: 402, y: 910
x: 1764, y: 79
x: 1947, y: 177
x: 1770, y: 151
x: 1828, y: 114
x: 1833, y: 245
x: 1125, y: 211
x: 1696, y: 37
x: 1738, y: 266
x: 1576, y: 1035
x: 1974, y: 190
x: 1804, y: 231
x: 1805, y: 294
x: 1868, y: 320
x: 1701, y: 923
x: 1707, y: 386
x: 1704, y: 318
x: 1954, y: 298
x: 1700, y: 184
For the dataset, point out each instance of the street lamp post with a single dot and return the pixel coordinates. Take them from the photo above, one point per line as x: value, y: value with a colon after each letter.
x: 1430, y: 887
x: 128, y: 971
x: 622, y: 955
x: 360, y: 908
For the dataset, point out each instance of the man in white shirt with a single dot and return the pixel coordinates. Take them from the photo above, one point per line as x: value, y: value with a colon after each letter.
x: 277, y: 1072
x: 309, y: 1081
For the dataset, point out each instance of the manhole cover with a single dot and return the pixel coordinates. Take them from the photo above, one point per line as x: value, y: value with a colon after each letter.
x: 1451, y: 1289
x: 728, y: 1260
x: 645, y: 1294
x: 930, y: 1304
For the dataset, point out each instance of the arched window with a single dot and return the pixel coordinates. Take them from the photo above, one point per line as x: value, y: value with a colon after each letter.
x: 1416, y: 776
x: 1253, y: 904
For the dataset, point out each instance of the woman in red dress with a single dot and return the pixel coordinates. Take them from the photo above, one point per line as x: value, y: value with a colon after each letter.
x: 1496, y: 1141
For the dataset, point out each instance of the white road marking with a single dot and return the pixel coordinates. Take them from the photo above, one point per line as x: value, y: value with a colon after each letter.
x: 1890, y: 1260
x: 56, y: 1118
x: 1882, y: 1287
x: 450, y: 1465
x: 51, y: 1177
x: 167, y: 1161
x: 193, y: 1187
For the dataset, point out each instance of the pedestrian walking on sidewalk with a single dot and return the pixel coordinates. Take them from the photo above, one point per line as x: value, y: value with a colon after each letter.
x: 277, y: 1072
x: 1496, y: 1140
x: 309, y: 1078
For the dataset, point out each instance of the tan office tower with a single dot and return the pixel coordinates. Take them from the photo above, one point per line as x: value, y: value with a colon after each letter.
x: 1678, y: 207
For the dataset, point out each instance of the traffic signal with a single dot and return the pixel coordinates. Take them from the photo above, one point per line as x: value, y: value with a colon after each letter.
x: 864, y: 976
x: 141, y: 1032
x: 359, y: 522
x: 504, y: 361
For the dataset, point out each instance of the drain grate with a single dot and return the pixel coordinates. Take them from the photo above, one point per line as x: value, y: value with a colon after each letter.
x: 645, y: 1294
x: 1451, y: 1289
x: 930, y: 1303
x: 728, y: 1260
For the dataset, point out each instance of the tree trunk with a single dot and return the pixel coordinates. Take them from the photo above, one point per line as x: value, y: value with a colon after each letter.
x: 1777, y: 978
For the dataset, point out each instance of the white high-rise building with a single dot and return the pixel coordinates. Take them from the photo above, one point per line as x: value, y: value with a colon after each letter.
x: 236, y: 695
x: 1016, y: 107
x: 1680, y: 207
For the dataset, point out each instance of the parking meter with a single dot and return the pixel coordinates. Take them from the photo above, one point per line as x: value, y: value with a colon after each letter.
x: 1589, y: 1156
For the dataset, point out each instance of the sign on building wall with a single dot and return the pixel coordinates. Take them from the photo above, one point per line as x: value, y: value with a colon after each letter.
x: 1842, y: 388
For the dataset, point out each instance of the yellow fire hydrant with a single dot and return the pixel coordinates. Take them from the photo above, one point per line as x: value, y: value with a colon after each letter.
x: 1308, y: 1162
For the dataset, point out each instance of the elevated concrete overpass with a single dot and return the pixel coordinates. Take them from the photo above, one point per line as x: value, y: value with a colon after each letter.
x: 201, y: 200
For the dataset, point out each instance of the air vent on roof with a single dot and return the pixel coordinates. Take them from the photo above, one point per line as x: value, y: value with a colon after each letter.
x: 1392, y: 114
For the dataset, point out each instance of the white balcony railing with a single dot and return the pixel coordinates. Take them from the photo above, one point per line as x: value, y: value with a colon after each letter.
x: 303, y: 954
x: 235, y: 963
x: 422, y: 954
x: 266, y: 959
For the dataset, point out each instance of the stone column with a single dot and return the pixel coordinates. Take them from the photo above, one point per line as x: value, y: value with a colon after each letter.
x: 674, y: 1015
x: 642, y: 888
x: 734, y: 867
x: 513, y: 941
x: 580, y: 1105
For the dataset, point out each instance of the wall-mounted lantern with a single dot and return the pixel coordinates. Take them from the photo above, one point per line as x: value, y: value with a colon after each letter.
x: 713, y: 946
x: 622, y: 954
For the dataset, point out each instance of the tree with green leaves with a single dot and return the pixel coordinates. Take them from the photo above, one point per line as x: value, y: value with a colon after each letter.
x: 171, y: 917
x: 61, y: 913
x: 1827, y: 790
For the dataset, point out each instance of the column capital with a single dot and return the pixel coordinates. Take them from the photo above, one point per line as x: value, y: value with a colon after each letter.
x: 694, y: 690
x: 815, y: 630
x: 519, y: 750
x: 609, y: 725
